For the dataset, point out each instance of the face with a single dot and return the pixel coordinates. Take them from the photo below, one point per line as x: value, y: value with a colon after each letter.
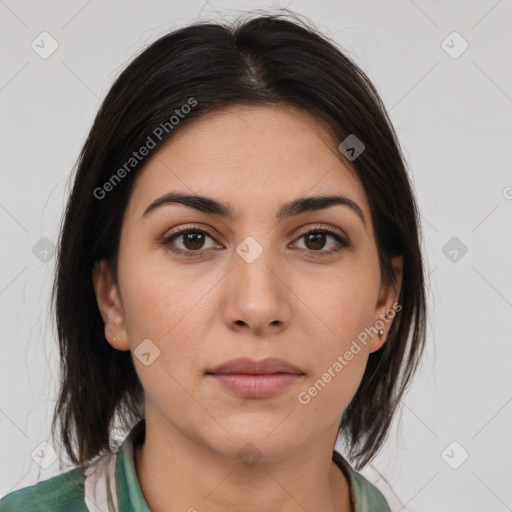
x: 197, y: 289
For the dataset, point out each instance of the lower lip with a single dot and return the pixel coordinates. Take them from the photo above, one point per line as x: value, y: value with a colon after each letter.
x: 256, y: 386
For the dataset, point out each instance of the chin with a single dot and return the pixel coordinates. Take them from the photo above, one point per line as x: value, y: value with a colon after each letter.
x: 255, y: 437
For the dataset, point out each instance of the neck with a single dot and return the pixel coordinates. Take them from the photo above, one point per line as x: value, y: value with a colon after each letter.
x: 177, y: 473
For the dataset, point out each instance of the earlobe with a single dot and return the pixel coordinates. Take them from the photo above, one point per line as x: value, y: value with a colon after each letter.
x: 107, y: 298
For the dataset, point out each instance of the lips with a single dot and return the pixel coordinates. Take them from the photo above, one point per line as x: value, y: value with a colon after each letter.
x: 247, y: 378
x: 248, y: 366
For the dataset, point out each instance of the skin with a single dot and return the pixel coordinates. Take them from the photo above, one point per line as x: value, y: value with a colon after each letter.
x: 202, y: 311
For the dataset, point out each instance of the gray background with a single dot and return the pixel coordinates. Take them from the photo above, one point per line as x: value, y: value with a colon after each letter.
x: 452, y: 114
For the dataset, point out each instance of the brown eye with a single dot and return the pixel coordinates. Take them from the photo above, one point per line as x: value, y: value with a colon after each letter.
x: 192, y: 242
x: 316, y: 240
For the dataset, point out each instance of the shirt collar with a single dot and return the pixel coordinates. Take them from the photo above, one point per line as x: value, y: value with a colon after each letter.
x: 129, y: 493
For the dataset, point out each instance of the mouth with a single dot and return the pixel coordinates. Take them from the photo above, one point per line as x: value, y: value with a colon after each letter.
x: 261, y: 379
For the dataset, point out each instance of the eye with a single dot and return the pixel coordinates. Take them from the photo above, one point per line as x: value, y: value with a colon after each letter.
x: 315, y: 239
x: 193, y: 240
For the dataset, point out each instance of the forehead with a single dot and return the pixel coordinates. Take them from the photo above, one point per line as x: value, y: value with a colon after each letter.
x: 254, y: 158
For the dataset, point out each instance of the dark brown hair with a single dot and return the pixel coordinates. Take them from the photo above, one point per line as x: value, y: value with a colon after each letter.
x: 269, y: 59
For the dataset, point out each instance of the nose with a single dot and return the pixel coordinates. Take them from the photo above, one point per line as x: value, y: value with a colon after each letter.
x: 257, y: 293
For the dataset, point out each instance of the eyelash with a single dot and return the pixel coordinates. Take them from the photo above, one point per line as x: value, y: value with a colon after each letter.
x: 167, y: 242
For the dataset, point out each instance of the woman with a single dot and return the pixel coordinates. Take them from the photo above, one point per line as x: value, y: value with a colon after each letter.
x: 239, y: 281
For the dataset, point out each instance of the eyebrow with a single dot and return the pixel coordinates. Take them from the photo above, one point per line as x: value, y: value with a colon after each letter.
x: 213, y: 207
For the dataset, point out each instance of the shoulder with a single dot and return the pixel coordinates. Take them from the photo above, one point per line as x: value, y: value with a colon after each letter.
x: 60, y: 493
x: 366, y: 497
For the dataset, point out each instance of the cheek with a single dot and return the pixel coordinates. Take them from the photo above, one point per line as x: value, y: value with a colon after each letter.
x: 342, y: 309
x: 157, y: 296
x: 172, y: 308
x: 168, y: 310
x: 341, y: 305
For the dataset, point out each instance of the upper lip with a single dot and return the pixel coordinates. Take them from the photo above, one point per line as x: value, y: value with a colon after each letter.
x: 249, y: 366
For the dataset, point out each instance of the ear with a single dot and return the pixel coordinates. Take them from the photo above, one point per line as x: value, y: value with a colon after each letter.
x: 387, y: 304
x: 108, y: 299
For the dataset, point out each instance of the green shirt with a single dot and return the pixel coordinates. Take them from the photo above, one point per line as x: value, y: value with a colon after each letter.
x: 109, y: 484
